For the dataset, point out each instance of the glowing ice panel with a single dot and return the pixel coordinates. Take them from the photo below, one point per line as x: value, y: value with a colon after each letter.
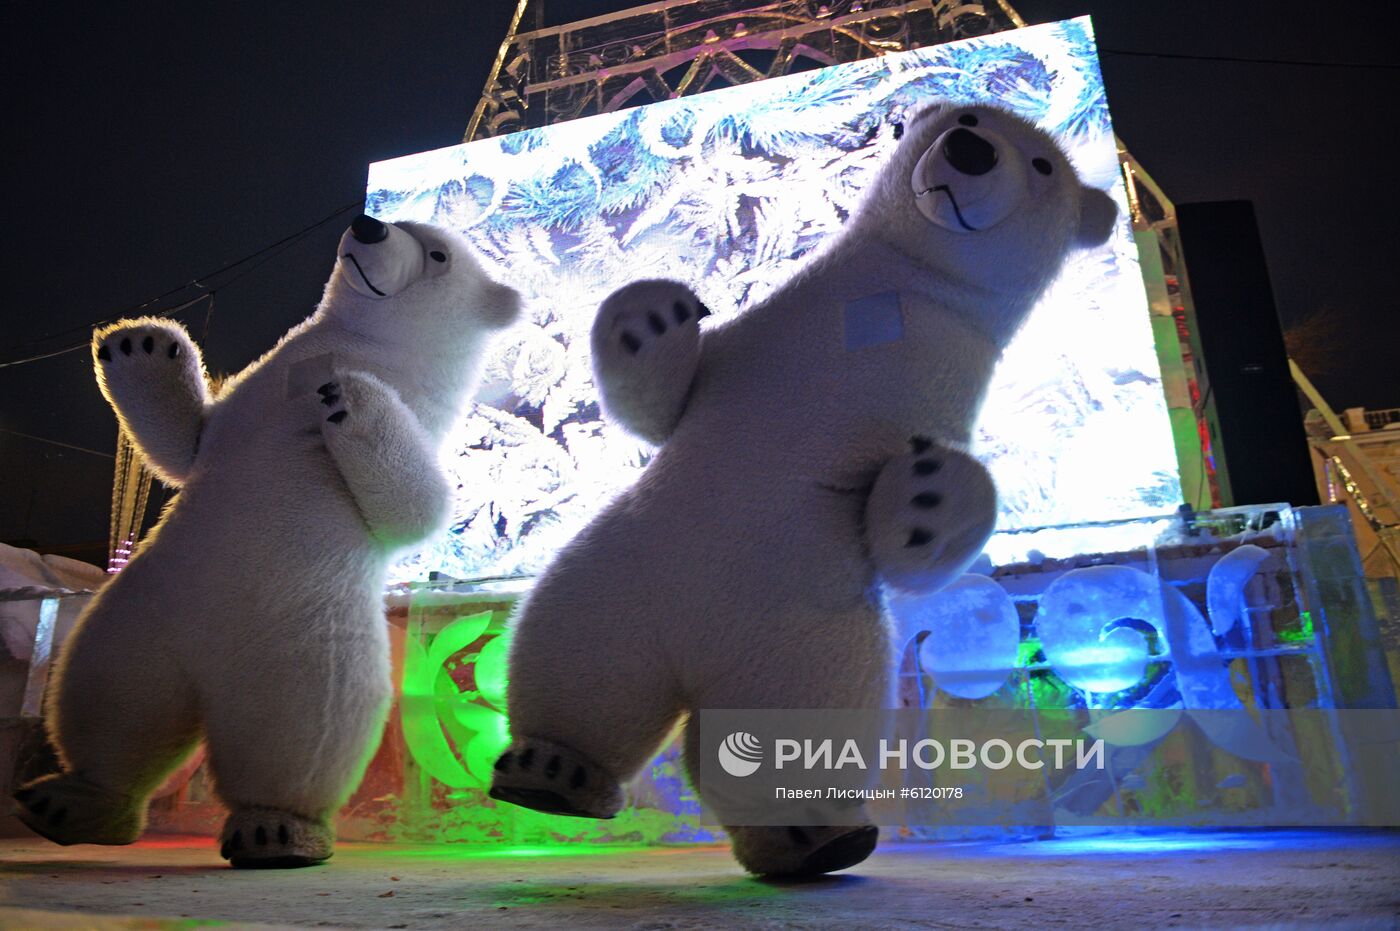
x: 727, y: 191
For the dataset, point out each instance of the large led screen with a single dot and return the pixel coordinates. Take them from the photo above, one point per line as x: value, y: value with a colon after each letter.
x: 727, y: 191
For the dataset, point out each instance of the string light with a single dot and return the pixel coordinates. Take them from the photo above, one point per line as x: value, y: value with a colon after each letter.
x: 266, y: 253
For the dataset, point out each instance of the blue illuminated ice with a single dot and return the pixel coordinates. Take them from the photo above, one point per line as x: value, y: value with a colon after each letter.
x: 1225, y: 587
x: 1089, y: 622
x: 1081, y: 623
x: 968, y: 634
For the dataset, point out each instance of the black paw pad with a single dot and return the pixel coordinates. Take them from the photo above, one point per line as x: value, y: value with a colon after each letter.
x: 527, y: 757
x: 921, y: 445
x: 630, y: 342
x: 503, y: 762
x: 551, y: 769
x: 174, y: 350
x: 104, y: 353
x: 920, y: 536
x: 260, y: 836
x: 40, y: 806
x: 538, y: 799
x: 338, y: 416
x: 658, y: 326
x: 926, y: 499
x: 125, y: 345
x: 283, y: 836
x: 843, y: 852
x: 926, y: 466
x: 236, y: 841
x: 148, y: 344
x: 579, y: 777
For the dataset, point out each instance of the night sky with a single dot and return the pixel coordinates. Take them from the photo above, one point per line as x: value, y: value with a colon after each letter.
x: 152, y: 144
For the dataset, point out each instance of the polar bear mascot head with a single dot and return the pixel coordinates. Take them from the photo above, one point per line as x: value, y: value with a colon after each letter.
x: 987, y: 201
x: 417, y: 290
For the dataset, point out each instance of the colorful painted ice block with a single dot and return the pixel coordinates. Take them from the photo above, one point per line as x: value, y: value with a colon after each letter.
x: 1260, y: 609
x: 1238, y: 609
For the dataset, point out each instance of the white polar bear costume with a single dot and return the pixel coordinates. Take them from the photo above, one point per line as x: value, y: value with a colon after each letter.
x: 812, y: 446
x: 253, y: 613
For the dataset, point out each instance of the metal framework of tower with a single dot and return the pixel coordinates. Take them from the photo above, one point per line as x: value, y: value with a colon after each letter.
x: 660, y: 51
x: 131, y: 489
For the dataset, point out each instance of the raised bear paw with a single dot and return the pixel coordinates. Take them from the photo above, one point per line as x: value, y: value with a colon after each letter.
x: 646, y: 347
x: 67, y: 809
x: 800, y: 853
x: 646, y: 321
x: 552, y: 778
x: 266, y: 838
x: 153, y: 376
x: 149, y: 351
x: 929, y: 514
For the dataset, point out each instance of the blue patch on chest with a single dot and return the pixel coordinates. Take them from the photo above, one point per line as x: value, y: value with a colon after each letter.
x: 873, y: 320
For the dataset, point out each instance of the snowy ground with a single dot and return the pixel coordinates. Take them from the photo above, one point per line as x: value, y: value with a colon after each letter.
x: 1295, y: 879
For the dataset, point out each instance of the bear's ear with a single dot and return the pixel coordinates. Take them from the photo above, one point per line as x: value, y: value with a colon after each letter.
x: 1097, y: 214
x: 500, y: 304
x: 907, y: 119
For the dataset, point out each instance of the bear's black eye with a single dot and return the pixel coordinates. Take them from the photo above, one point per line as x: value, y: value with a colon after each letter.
x: 1042, y: 165
x: 967, y: 119
x: 437, y: 256
x: 898, y: 130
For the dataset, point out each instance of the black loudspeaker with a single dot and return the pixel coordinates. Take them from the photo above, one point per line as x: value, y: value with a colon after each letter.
x: 1250, y: 404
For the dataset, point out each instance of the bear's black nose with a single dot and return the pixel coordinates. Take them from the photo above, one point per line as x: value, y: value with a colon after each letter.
x: 969, y: 153
x: 368, y: 230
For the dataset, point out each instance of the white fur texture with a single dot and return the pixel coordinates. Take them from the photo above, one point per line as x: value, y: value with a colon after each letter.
x: 741, y: 570
x: 252, y: 614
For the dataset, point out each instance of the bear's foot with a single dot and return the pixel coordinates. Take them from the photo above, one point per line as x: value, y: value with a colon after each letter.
x: 265, y: 838
x: 928, y: 516
x: 554, y: 779
x: 68, y: 809
x: 801, y: 852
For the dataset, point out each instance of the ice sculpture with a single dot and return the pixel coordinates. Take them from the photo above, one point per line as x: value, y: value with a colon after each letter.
x: 1225, y: 587
x: 1084, y: 627
x: 968, y: 634
x: 1097, y: 626
x: 433, y: 706
x: 1080, y: 629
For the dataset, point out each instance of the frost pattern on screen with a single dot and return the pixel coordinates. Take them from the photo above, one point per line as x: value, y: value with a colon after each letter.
x: 727, y: 191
